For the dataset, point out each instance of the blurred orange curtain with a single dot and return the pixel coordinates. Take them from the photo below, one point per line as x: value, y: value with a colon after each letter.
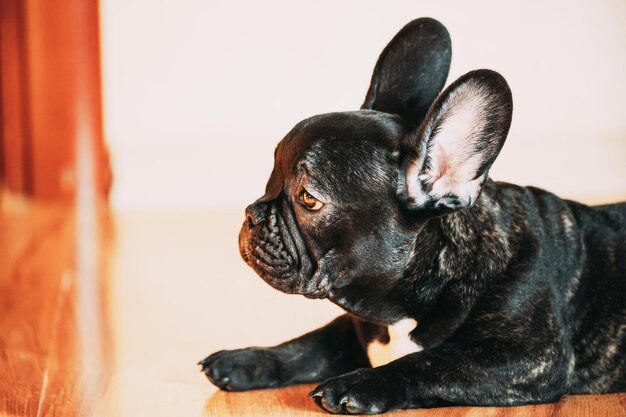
x: 50, y: 88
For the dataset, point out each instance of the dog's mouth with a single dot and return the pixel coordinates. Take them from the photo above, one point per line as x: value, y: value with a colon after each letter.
x: 275, y: 250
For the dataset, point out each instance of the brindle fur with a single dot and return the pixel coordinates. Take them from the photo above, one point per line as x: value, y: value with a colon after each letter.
x: 519, y: 297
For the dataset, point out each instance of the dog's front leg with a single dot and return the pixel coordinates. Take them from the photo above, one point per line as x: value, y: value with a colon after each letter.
x: 488, y: 373
x: 331, y: 350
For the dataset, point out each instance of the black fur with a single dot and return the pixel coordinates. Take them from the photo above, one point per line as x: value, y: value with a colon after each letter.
x: 519, y: 295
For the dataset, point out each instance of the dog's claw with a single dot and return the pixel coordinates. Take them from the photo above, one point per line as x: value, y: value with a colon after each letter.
x: 316, y: 393
x: 224, y: 383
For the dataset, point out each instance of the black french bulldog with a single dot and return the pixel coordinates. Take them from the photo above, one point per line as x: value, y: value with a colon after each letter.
x: 519, y: 296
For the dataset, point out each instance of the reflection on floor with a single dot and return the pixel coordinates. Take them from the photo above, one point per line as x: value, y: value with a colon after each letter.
x: 109, y: 317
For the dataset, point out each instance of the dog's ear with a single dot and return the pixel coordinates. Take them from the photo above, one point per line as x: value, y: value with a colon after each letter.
x: 411, y: 71
x: 447, y: 159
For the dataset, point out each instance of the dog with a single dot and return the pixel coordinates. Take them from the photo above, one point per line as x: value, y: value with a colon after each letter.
x: 458, y: 290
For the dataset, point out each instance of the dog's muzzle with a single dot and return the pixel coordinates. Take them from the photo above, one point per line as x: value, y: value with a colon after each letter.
x: 270, y: 243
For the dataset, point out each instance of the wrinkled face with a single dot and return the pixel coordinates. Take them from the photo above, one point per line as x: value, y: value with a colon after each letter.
x: 330, y: 224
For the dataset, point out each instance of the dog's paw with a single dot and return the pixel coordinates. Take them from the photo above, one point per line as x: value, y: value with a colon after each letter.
x: 242, y: 369
x: 364, y: 391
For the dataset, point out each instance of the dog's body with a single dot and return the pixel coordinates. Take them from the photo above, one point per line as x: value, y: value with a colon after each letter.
x: 513, y: 295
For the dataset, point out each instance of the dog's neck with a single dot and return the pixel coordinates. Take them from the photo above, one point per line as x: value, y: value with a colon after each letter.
x: 455, y: 259
x: 477, y: 237
x: 471, y: 245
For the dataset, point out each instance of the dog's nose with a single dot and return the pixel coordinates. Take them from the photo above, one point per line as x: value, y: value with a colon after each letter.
x: 255, y: 215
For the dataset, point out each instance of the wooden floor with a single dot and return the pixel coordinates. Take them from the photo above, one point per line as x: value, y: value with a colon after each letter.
x: 107, y: 316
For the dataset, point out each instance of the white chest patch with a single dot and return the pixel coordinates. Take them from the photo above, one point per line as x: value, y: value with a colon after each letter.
x: 400, y: 344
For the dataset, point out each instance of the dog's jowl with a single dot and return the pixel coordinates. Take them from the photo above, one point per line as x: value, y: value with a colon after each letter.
x: 504, y: 295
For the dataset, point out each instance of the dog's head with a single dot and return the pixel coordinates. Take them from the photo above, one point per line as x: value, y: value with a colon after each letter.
x: 350, y: 191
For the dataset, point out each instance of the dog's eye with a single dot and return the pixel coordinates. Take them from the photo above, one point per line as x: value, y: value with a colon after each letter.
x: 309, y: 201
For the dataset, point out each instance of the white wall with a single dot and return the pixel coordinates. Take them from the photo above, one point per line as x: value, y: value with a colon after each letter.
x: 197, y: 93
